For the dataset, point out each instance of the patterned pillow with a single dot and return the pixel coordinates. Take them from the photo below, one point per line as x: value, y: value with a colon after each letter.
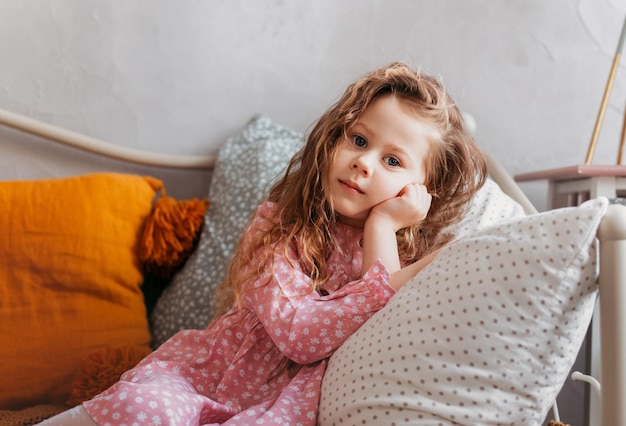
x: 245, y: 167
x: 489, y: 206
x: 486, y: 334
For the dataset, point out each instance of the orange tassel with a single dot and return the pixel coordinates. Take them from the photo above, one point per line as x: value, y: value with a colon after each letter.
x: 103, y: 368
x: 171, y: 233
x: 555, y: 423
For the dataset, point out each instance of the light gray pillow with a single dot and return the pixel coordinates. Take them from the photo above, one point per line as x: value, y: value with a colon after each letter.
x: 489, y: 206
x: 246, y: 166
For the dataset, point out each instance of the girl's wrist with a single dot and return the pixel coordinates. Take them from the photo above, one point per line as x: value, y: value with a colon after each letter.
x: 377, y: 220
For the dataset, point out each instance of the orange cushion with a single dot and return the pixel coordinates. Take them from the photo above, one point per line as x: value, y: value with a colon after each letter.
x: 69, y: 278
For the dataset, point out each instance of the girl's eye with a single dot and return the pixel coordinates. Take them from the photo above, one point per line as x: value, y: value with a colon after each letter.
x: 392, y: 161
x: 360, y: 141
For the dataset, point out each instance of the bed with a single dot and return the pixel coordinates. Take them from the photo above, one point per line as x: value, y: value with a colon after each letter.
x: 358, y: 390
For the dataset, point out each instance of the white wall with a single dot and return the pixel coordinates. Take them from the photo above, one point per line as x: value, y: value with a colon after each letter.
x: 182, y: 76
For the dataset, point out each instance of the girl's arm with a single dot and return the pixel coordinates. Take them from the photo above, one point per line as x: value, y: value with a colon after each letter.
x: 409, y: 207
x: 402, y: 276
x: 304, y: 325
x: 379, y: 242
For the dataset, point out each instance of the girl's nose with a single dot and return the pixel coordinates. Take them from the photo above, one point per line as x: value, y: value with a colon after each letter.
x: 363, y: 164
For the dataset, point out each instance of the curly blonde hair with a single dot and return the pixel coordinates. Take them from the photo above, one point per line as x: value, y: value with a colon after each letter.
x: 456, y: 170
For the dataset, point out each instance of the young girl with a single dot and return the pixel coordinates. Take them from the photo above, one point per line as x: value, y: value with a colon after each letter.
x: 360, y: 210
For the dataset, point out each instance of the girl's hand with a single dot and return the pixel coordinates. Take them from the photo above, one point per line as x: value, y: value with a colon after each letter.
x: 408, y: 208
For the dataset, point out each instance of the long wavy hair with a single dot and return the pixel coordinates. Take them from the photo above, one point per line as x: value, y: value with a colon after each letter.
x: 455, y: 171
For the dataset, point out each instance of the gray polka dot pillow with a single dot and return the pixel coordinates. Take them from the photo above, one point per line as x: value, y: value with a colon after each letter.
x: 486, y: 334
x: 489, y: 206
x: 246, y: 166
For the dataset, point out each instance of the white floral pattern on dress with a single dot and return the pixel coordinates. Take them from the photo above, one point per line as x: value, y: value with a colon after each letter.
x: 230, y: 372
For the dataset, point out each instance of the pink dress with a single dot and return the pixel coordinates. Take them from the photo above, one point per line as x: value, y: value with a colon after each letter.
x: 229, y: 373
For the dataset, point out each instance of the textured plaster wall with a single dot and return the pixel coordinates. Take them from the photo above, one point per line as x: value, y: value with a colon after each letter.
x: 180, y: 77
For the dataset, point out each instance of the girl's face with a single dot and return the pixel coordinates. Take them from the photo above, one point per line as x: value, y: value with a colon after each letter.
x: 386, y: 150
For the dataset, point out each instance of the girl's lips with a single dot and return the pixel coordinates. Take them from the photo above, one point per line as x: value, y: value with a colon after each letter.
x: 351, y: 186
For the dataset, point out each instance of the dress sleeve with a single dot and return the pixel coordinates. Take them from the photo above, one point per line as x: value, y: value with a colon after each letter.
x: 304, y: 325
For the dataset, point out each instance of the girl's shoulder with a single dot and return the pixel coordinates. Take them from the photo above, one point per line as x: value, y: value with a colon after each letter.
x: 266, y: 210
x: 264, y: 215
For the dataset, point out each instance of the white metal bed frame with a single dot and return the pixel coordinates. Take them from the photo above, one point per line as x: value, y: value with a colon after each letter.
x: 611, y: 235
